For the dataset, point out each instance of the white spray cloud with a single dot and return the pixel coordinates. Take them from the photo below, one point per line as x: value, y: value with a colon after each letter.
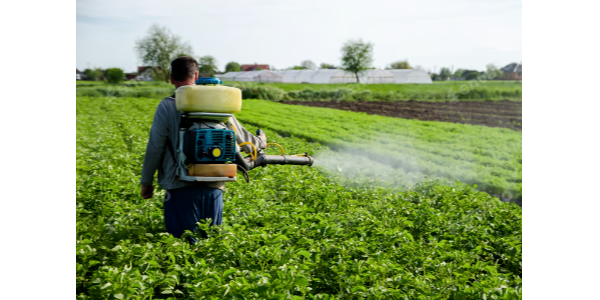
x: 367, y: 165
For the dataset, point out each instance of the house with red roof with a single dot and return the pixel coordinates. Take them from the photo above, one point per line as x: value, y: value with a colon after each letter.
x: 255, y: 67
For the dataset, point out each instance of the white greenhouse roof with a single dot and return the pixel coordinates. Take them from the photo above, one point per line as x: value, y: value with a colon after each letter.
x: 323, y: 76
x: 288, y: 75
x: 410, y: 76
x: 253, y: 76
x: 229, y: 76
x: 329, y: 76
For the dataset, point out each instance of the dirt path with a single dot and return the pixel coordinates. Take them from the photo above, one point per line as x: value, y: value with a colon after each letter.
x: 507, y: 114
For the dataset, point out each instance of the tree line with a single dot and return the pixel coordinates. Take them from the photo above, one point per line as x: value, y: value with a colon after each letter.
x: 110, y: 75
x: 160, y: 46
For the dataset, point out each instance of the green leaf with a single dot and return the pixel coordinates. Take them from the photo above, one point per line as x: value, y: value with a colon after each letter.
x: 93, y: 263
x: 229, y: 272
x: 301, y: 281
x: 304, y: 253
x: 119, y: 296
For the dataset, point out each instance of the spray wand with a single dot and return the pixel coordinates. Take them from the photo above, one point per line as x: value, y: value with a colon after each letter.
x: 260, y: 159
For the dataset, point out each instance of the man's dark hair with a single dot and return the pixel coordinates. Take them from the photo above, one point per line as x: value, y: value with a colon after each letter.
x: 183, y: 68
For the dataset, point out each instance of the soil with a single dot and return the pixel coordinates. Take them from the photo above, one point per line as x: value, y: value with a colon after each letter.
x: 505, y: 113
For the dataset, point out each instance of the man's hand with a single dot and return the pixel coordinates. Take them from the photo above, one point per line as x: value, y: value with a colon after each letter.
x: 147, y: 191
x: 263, y: 137
x: 264, y: 140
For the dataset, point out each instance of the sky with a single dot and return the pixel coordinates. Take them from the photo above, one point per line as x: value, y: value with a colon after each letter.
x: 466, y: 34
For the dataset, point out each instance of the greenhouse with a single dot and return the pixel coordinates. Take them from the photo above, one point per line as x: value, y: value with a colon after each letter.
x: 410, y: 76
x: 330, y: 76
x: 253, y: 76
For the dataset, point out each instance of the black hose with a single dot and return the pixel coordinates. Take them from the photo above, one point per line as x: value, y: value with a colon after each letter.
x: 239, y: 159
x: 263, y: 160
x: 288, y: 160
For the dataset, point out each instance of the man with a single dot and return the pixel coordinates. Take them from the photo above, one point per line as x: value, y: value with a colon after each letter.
x: 186, y: 202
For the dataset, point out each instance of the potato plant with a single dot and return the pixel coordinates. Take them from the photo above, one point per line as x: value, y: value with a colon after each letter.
x: 291, y: 233
x: 488, y: 157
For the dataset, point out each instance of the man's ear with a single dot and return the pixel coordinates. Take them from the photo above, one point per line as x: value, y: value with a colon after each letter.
x: 196, y: 76
x: 171, y: 78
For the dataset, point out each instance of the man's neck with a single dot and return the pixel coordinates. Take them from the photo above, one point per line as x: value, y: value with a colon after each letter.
x: 182, y: 83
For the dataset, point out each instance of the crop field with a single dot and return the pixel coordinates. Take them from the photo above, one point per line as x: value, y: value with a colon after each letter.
x: 127, y: 89
x: 507, y: 114
x: 503, y: 85
x: 487, y: 157
x: 437, y: 91
x: 332, y: 231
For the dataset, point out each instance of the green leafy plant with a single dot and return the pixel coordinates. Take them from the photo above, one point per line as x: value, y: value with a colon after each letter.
x: 292, y: 232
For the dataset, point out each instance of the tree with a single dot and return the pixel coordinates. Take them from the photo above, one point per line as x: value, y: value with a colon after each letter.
x: 327, y: 66
x: 492, y: 72
x: 159, y: 48
x: 445, y: 74
x: 471, y: 74
x: 114, y: 75
x: 208, y: 65
x: 95, y: 74
x: 400, y: 65
x: 459, y: 73
x: 232, y: 66
x: 357, y: 56
x: 308, y: 64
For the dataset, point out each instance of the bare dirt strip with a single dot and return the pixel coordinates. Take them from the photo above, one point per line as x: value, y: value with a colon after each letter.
x: 507, y: 114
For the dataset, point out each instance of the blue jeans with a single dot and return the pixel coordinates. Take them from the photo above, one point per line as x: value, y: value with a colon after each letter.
x: 184, y: 207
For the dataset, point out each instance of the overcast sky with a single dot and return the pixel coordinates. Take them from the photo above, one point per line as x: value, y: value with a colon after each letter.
x: 433, y: 34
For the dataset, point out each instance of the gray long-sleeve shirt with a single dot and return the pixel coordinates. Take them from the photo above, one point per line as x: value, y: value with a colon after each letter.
x: 165, y: 127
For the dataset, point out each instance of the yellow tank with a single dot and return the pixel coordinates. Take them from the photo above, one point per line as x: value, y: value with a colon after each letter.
x: 208, y: 98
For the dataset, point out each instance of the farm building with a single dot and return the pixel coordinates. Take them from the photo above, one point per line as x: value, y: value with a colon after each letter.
x: 144, y: 74
x: 131, y: 76
x: 255, y: 67
x: 512, y: 71
x: 329, y: 76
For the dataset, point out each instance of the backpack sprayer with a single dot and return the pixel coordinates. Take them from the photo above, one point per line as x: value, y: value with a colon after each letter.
x: 208, y: 149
